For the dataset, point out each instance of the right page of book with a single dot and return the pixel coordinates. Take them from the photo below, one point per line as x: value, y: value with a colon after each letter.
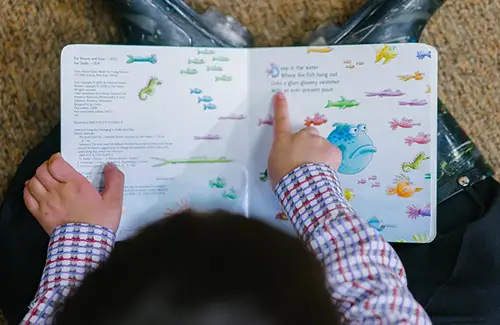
x: 378, y: 104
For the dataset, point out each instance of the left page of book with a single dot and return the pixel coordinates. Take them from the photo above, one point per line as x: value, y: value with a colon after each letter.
x: 172, y: 119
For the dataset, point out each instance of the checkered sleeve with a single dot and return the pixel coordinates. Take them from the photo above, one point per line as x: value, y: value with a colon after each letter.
x: 74, y: 250
x: 365, y: 276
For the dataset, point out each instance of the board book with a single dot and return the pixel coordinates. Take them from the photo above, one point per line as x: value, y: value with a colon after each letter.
x: 192, y: 127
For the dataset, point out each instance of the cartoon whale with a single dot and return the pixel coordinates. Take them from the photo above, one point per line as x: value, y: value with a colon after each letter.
x: 356, y: 146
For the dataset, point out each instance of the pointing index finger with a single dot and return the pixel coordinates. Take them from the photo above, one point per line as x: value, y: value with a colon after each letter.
x: 282, y: 124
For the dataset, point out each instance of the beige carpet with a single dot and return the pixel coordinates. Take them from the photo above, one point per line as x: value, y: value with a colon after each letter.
x: 32, y: 34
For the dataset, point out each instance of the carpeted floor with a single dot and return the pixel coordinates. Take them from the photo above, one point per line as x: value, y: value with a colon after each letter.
x: 32, y: 34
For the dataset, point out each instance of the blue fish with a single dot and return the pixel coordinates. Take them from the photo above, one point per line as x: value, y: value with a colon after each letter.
x: 378, y: 224
x: 422, y: 55
x: 209, y: 106
x: 356, y: 146
x: 151, y: 59
x: 205, y: 98
x: 195, y: 91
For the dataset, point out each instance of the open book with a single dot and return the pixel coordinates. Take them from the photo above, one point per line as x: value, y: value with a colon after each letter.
x: 192, y: 127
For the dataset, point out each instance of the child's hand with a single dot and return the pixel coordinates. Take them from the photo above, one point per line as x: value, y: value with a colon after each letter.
x: 291, y: 150
x: 58, y: 194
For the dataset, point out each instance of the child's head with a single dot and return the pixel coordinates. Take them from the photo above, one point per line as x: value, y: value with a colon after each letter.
x: 203, y: 269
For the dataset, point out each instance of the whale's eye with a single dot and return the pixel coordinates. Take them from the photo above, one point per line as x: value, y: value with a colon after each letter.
x: 354, y: 130
x: 362, y: 127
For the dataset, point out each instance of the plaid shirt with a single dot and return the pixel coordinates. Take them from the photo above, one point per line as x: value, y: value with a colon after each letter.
x: 364, y: 275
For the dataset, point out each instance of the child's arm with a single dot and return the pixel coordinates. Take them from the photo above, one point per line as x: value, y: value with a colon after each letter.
x: 74, y: 250
x: 365, y: 276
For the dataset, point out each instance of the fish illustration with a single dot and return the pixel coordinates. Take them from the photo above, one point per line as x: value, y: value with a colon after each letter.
x: 415, y: 163
x: 281, y: 216
x: 372, y: 178
x: 427, y: 176
x: 193, y: 160
x: 149, y: 90
x: 413, y: 102
x: 356, y: 146
x: 362, y: 181
x: 206, y: 51
x: 223, y: 78
x: 189, y: 71
x: 151, y: 59
x: 422, y: 55
x: 385, y: 93
x: 386, y: 53
x: 208, y: 137
x: 415, y: 212
x: 218, y: 182
x: 196, y: 91
x: 205, y: 98
x: 378, y: 224
x: 317, y: 120
x: 417, y: 76
x: 209, y: 106
x: 220, y: 58
x: 264, y: 176
x: 429, y: 90
x: 196, y: 61
x: 405, y: 123
x: 376, y: 184
x: 342, y: 103
x: 404, y: 187
x: 347, y: 62
x: 350, y: 66
x: 349, y: 194
x: 233, y: 117
x: 420, y: 138
x: 273, y: 71
x: 269, y: 120
x: 360, y: 63
x: 214, y: 68
x: 230, y: 194
x: 320, y: 50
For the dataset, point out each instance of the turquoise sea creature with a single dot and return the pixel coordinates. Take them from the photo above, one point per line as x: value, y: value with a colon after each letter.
x: 196, y: 61
x: 189, y: 71
x: 356, y: 146
x: 220, y: 58
x: 378, y: 224
x: 223, y: 78
x: 196, y: 91
x: 151, y: 59
x: 206, y: 51
x: 231, y: 194
x: 209, y: 106
x: 218, y: 182
x: 214, y: 68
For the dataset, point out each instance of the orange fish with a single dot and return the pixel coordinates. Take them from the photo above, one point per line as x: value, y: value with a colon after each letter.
x: 417, y: 76
x: 320, y: 50
x: 317, y: 120
x: 404, y: 188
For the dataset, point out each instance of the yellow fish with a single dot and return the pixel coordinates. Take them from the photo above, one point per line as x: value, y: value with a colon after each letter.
x: 349, y: 194
x: 387, y: 52
x: 320, y: 50
x: 429, y: 90
x: 350, y: 66
x: 404, y: 188
x: 417, y: 76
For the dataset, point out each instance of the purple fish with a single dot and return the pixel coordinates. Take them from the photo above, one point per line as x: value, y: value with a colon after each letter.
x: 415, y: 212
x: 232, y: 117
x: 414, y: 102
x: 385, y: 93
x: 208, y: 137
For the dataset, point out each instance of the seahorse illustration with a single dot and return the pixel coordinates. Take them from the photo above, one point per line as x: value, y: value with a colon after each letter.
x: 149, y: 90
x: 415, y: 164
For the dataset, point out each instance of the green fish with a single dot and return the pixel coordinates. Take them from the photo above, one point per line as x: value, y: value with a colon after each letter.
x: 217, y: 183
x: 264, y: 176
x: 206, y: 51
x: 214, y: 68
x: 428, y: 176
x: 220, y: 58
x: 189, y: 71
x: 342, y: 103
x: 196, y: 61
x: 231, y: 194
x: 223, y: 78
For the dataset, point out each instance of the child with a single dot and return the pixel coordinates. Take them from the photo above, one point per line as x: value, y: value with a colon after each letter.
x: 217, y: 268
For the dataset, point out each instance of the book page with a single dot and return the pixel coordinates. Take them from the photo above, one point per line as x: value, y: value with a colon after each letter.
x: 172, y: 119
x: 378, y: 104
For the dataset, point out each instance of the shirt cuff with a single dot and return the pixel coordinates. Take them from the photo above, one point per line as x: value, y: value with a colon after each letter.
x: 74, y: 250
x: 308, y: 192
